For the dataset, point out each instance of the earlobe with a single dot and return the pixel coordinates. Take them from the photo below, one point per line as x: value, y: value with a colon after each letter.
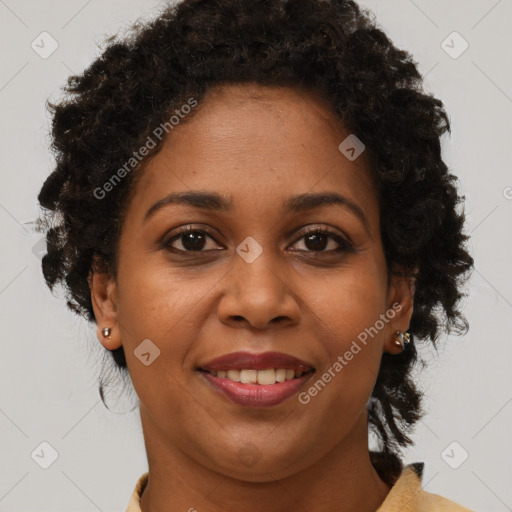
x: 401, y: 300
x: 104, y: 302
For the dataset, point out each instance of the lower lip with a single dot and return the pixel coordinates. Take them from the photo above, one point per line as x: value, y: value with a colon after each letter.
x: 256, y: 395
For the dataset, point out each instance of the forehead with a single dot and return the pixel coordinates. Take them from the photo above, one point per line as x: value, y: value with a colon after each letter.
x: 251, y: 141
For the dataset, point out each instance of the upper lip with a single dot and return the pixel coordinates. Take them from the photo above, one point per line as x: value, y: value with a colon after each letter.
x: 252, y: 361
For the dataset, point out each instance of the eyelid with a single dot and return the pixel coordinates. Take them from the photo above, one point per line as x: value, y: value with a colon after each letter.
x: 166, y: 242
x: 324, y: 228
x: 208, y: 230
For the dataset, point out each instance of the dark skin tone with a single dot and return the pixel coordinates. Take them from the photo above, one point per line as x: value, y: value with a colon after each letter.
x: 301, y: 296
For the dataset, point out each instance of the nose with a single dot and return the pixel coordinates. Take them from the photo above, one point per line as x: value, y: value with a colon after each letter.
x: 258, y: 295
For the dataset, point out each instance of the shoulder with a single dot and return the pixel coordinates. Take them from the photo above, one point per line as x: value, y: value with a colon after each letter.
x: 134, y: 503
x: 407, y: 495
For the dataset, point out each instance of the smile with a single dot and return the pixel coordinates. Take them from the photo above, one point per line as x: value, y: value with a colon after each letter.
x: 263, y: 377
x: 256, y: 380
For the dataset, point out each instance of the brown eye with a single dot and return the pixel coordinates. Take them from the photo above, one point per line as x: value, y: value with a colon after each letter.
x: 191, y: 240
x: 318, y: 240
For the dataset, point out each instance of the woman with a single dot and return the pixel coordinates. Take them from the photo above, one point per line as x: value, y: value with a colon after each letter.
x: 250, y: 203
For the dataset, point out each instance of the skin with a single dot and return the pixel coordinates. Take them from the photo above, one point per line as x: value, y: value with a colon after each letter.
x: 257, y: 146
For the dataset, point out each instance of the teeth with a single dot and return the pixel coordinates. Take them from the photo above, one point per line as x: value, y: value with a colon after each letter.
x: 266, y: 377
x: 263, y: 377
x: 233, y: 375
x: 248, y: 376
x: 281, y: 375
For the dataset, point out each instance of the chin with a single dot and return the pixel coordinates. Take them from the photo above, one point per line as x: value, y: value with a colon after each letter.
x: 251, y: 464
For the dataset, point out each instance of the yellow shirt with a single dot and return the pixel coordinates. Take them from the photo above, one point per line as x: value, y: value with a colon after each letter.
x: 406, y: 495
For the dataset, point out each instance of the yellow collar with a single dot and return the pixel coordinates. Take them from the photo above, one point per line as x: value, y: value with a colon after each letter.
x: 407, y: 495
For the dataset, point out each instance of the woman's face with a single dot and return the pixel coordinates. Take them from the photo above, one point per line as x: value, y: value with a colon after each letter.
x: 251, y: 279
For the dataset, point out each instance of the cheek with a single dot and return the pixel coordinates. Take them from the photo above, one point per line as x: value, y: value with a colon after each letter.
x: 347, y: 303
x: 158, y: 314
x: 154, y: 299
x: 348, y: 323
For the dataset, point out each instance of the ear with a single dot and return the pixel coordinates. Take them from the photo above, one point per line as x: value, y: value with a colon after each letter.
x: 400, y: 300
x: 104, y: 302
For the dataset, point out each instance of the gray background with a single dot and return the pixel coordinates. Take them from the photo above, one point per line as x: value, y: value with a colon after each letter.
x: 51, y: 358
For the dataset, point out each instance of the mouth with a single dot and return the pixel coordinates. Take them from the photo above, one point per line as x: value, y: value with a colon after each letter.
x: 256, y: 380
x: 266, y: 377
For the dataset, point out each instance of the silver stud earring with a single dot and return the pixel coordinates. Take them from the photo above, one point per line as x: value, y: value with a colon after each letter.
x: 106, y: 332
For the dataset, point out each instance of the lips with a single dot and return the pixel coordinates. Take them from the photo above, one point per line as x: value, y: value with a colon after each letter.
x: 256, y: 380
x: 263, y: 361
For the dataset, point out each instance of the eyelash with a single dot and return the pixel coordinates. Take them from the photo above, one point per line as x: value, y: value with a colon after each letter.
x: 344, y: 245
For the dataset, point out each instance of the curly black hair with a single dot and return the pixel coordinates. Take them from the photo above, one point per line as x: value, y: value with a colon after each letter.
x: 333, y: 48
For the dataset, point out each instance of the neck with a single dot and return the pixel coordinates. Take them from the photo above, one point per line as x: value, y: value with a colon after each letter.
x: 343, y: 480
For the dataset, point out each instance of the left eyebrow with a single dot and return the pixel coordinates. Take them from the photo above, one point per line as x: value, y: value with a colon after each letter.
x: 197, y: 199
x: 299, y: 203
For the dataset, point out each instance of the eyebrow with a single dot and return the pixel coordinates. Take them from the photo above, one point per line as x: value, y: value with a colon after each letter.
x: 215, y: 202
